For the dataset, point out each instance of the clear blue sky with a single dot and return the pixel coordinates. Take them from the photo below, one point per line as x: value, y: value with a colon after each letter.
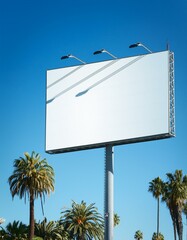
x: 33, y: 36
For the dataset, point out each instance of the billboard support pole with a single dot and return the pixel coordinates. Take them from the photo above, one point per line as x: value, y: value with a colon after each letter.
x: 109, y: 193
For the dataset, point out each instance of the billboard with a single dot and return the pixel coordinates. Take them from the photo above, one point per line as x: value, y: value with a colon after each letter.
x: 113, y: 102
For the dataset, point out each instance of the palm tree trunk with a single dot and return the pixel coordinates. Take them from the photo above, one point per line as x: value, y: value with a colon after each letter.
x: 31, y: 228
x: 158, y: 210
x: 81, y: 237
x: 175, y: 232
x: 179, y: 222
x: 174, y: 223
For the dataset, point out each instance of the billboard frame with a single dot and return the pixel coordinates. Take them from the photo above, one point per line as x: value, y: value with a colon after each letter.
x: 171, y: 114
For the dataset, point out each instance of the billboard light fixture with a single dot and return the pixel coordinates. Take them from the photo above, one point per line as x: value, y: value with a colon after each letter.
x: 140, y: 45
x: 104, y: 51
x: 72, y: 56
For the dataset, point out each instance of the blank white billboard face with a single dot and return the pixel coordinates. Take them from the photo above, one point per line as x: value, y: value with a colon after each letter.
x: 112, y: 102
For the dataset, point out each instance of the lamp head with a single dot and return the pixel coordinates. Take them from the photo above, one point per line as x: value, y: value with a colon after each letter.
x: 99, y: 51
x: 67, y: 56
x: 64, y: 57
x: 135, y: 45
x: 72, y: 56
x: 104, y: 51
x: 140, y: 45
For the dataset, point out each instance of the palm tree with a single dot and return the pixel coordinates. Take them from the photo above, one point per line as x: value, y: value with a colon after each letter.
x: 156, y: 188
x: 17, y: 231
x: 116, y: 219
x: 83, y: 222
x: 175, y: 194
x: 3, y: 233
x: 34, y: 178
x: 138, y: 235
x: 157, y: 236
x: 50, y: 230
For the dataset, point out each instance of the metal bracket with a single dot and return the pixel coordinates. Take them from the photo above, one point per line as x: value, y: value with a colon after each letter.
x: 171, y: 94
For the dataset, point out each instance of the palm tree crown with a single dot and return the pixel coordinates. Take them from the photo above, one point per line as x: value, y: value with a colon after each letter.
x: 16, y: 230
x: 50, y: 230
x: 116, y: 220
x: 31, y: 178
x: 83, y: 222
x: 156, y: 187
x: 156, y: 236
x: 138, y: 235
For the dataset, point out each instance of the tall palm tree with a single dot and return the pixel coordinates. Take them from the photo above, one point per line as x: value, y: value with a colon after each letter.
x: 175, y: 194
x: 138, y: 235
x: 31, y: 178
x: 83, y: 222
x: 156, y: 188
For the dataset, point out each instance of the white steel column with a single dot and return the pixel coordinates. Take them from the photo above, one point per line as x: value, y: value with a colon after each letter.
x: 109, y: 193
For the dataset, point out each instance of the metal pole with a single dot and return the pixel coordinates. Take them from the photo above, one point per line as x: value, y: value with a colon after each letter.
x: 186, y: 227
x: 109, y: 193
